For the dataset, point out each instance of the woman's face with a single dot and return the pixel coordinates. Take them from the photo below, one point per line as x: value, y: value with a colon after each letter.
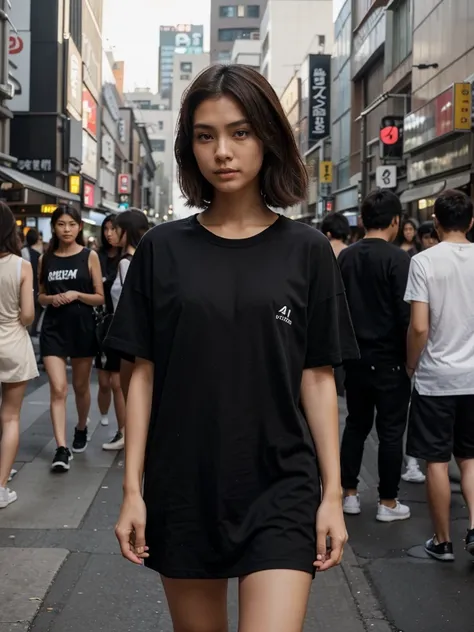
x: 427, y: 241
x: 110, y: 234
x: 67, y: 229
x: 228, y: 152
x: 408, y: 232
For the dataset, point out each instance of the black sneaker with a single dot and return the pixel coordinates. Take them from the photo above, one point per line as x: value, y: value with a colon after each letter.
x: 61, y: 461
x: 80, y: 440
x: 442, y: 551
x: 470, y: 541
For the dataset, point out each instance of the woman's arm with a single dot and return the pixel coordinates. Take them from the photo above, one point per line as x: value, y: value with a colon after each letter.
x: 319, y: 400
x: 27, y: 303
x: 136, y: 424
x: 130, y: 529
x: 43, y: 298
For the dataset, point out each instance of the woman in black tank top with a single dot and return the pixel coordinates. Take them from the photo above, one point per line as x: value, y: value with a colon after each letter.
x: 70, y: 287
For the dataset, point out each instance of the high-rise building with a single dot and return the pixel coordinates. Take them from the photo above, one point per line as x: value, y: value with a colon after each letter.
x: 184, y: 39
x: 230, y: 22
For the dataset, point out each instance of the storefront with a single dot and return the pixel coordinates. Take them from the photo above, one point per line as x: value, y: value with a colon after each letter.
x: 438, y: 141
x: 33, y: 201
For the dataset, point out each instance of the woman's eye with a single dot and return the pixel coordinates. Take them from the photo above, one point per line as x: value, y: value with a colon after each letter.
x: 204, y: 137
x: 242, y: 133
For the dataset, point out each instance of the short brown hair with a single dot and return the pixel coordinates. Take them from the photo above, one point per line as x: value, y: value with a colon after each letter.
x: 283, y: 175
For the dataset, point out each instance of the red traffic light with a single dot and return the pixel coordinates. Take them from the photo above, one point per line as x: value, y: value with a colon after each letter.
x: 390, y: 135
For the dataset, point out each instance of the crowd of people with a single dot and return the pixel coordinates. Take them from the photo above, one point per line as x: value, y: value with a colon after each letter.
x: 217, y: 336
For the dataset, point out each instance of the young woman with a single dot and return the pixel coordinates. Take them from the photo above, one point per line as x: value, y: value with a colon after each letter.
x: 235, y: 317
x: 17, y: 358
x: 130, y: 226
x: 408, y: 241
x: 108, y: 364
x: 70, y: 286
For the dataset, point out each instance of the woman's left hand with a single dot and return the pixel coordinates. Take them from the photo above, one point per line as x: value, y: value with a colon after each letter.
x: 71, y: 296
x: 330, y: 530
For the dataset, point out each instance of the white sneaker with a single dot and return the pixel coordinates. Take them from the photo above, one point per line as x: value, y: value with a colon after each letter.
x: 12, y: 474
x: 351, y: 505
x: 399, y: 512
x: 117, y: 443
x: 104, y: 420
x: 413, y: 474
x: 6, y: 497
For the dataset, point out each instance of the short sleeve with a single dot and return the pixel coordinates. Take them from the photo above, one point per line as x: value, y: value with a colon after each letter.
x: 330, y: 337
x: 417, y: 286
x: 131, y: 331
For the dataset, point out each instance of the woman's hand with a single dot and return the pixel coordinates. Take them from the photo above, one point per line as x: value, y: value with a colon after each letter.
x: 330, y: 531
x: 130, y: 529
x: 59, y: 300
x: 70, y: 296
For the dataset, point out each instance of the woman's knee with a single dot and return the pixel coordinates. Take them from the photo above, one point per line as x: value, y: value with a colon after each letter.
x: 115, y: 382
x: 105, y: 382
x: 81, y: 387
x: 58, y: 391
x: 197, y: 605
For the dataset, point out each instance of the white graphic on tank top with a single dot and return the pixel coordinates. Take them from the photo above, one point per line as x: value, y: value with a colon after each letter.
x: 284, y: 315
x: 62, y: 275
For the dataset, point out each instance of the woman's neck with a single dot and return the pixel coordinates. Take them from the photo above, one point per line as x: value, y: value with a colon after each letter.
x: 240, y: 208
x: 68, y: 249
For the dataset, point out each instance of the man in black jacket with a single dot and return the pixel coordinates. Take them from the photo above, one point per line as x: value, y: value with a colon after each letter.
x: 375, y: 274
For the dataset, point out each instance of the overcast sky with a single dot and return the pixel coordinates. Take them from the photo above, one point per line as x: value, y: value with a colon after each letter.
x: 132, y: 28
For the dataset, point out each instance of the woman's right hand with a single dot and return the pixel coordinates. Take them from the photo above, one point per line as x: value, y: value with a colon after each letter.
x: 130, y: 529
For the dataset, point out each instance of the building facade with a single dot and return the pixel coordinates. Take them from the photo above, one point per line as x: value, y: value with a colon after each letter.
x: 246, y: 52
x: 187, y: 39
x: 233, y: 22
x: 290, y: 30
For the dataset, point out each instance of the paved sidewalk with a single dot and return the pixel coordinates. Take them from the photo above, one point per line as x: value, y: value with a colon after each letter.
x: 60, y: 566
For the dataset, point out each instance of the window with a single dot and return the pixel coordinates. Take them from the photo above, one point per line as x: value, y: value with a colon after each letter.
x: 228, y: 11
x: 224, y: 55
x: 253, y: 11
x: 399, y: 35
x: 241, y: 11
x: 157, y: 144
x: 186, y: 66
x: 230, y: 35
x: 160, y: 125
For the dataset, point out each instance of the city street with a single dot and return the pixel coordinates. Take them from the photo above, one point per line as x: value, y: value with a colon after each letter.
x: 62, y: 572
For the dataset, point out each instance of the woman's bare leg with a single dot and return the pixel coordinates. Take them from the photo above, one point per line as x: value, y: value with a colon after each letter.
x: 273, y: 601
x: 81, y: 382
x: 56, y: 370
x: 12, y: 399
x: 104, y: 396
x: 119, y: 400
x: 197, y: 605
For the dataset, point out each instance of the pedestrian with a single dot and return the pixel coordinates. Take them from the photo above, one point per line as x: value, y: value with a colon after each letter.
x: 427, y: 235
x: 108, y: 365
x: 130, y: 226
x: 235, y: 316
x: 17, y: 358
x: 70, y: 286
x: 408, y: 238
x: 336, y: 228
x: 31, y: 254
x: 375, y: 274
x: 441, y: 356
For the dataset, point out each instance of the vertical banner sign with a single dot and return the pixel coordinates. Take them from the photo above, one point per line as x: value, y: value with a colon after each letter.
x: 325, y: 172
x: 319, y: 97
x: 20, y: 54
x: 462, y: 107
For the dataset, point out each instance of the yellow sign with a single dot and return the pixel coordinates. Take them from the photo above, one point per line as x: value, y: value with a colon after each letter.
x: 48, y: 209
x: 462, y: 107
x: 325, y: 172
x: 75, y: 184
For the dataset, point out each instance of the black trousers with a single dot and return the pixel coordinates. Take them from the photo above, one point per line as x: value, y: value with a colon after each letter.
x: 385, y: 390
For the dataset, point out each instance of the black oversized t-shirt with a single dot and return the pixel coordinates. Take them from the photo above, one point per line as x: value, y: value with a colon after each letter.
x: 375, y: 275
x: 231, y: 480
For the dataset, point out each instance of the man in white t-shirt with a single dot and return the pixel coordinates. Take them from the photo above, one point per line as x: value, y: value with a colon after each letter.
x: 441, y: 360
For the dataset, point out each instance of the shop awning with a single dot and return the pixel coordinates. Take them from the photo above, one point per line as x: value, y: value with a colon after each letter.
x: 421, y: 192
x: 459, y: 181
x: 12, y: 175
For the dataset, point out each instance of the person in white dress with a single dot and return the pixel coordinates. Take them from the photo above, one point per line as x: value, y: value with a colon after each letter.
x: 17, y: 358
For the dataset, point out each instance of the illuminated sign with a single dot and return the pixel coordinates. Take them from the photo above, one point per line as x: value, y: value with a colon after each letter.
x: 75, y: 184
x: 48, y: 209
x: 325, y: 172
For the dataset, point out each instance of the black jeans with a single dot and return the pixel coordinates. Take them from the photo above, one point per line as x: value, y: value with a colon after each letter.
x: 387, y: 391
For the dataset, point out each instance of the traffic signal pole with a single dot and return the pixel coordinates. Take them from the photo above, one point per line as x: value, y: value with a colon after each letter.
x: 363, y: 133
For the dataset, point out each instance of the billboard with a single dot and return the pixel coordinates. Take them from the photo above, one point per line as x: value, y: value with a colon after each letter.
x: 183, y: 38
x: 20, y: 54
x: 319, y: 125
